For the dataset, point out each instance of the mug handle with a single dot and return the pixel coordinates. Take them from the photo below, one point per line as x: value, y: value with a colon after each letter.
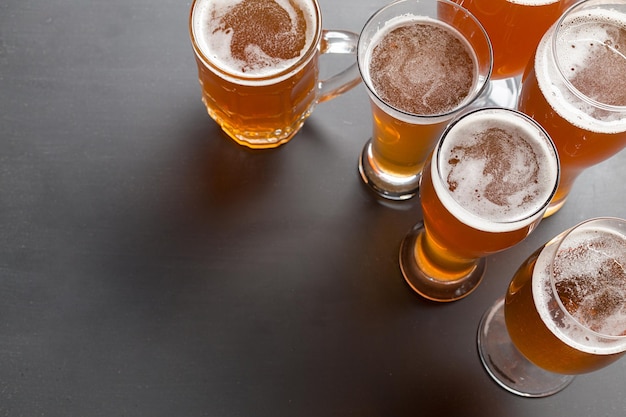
x: 338, y: 42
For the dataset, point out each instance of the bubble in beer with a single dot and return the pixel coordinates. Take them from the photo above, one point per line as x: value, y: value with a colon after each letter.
x: 422, y: 68
x: 496, y: 167
x: 589, y: 47
x: 597, y: 60
x: 590, y: 279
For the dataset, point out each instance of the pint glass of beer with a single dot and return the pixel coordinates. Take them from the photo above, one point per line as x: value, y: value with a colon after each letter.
x: 484, y: 189
x: 514, y: 28
x: 576, y: 88
x: 258, y: 65
x: 422, y: 63
x: 564, y: 312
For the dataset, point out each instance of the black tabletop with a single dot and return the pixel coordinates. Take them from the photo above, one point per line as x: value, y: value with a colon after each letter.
x: 149, y: 266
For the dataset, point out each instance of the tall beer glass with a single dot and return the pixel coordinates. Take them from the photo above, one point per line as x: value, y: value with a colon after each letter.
x: 576, y: 88
x: 514, y: 28
x: 422, y: 61
x: 258, y: 65
x: 485, y: 188
x: 564, y: 312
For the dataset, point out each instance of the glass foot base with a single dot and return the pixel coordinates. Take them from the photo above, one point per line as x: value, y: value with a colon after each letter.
x: 507, y: 366
x: 430, y: 287
x: 385, y: 185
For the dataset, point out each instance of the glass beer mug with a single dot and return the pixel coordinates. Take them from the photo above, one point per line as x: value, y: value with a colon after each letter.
x: 258, y: 65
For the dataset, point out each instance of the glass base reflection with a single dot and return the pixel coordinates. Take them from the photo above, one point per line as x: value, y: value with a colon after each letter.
x: 430, y: 287
x: 388, y: 186
x: 499, y: 93
x: 507, y: 366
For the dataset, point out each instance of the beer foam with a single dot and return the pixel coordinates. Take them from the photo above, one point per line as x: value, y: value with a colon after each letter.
x: 497, y: 170
x: 254, y: 39
x: 592, y: 53
x: 590, y: 279
x: 420, y: 66
x: 532, y: 2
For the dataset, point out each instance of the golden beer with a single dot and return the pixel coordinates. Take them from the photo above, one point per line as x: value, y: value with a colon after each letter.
x: 400, y: 147
x: 258, y: 65
x: 514, y: 28
x: 576, y: 89
x: 421, y: 68
x: 484, y: 189
x: 590, y: 289
x: 569, y: 3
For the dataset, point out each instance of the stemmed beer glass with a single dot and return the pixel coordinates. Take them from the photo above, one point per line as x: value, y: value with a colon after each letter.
x: 564, y: 312
x: 484, y: 189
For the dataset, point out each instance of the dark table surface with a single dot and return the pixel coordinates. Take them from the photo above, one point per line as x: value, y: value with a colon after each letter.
x: 151, y: 267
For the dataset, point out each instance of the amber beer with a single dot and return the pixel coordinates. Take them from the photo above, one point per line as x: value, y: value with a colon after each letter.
x: 578, y: 323
x: 484, y: 189
x: 568, y: 3
x: 515, y: 28
x: 258, y: 65
x: 418, y: 67
x: 422, y: 63
x: 576, y: 88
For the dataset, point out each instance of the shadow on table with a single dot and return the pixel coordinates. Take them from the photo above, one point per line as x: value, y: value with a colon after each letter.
x: 225, y: 172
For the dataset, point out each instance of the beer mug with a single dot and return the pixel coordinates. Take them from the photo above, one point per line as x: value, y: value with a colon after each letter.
x: 484, y: 189
x: 576, y: 88
x: 564, y: 312
x: 258, y: 65
x: 422, y: 62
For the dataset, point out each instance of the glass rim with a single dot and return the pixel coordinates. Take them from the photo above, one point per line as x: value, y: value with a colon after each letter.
x: 560, y: 23
x: 557, y: 297
x: 274, y: 77
x: 482, y: 81
x: 537, y: 126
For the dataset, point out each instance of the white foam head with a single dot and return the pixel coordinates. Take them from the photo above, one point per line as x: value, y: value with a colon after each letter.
x: 408, y: 78
x: 214, y: 39
x: 572, y: 48
x: 533, y: 2
x: 589, y: 270
x: 495, y: 170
